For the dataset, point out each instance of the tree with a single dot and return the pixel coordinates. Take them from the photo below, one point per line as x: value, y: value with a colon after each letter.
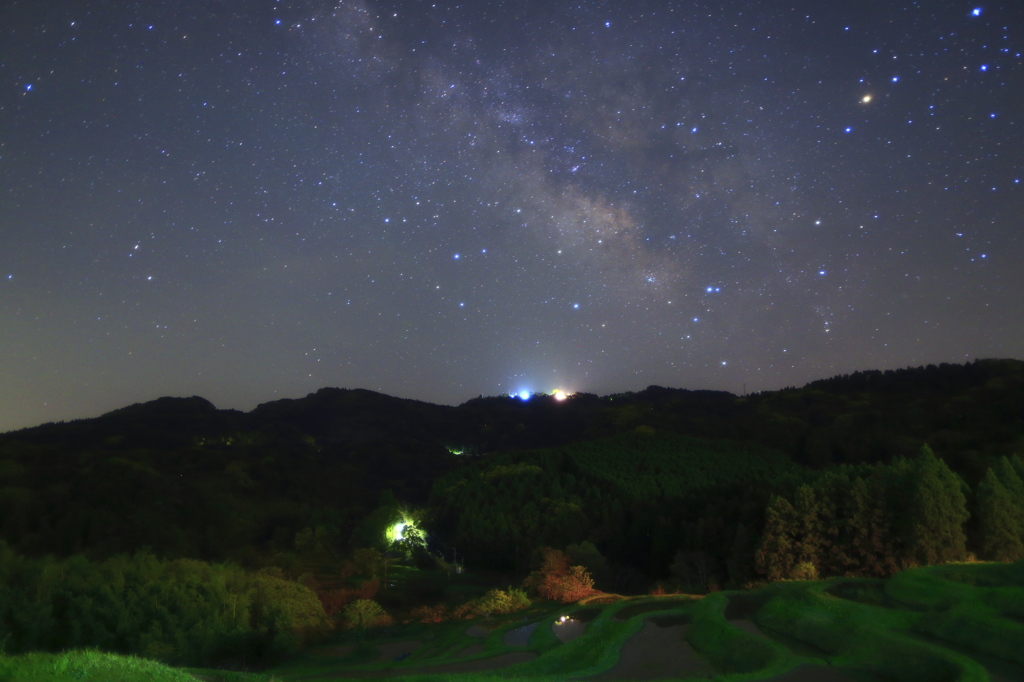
x: 500, y: 601
x: 556, y: 579
x: 871, y: 550
x: 1006, y: 472
x: 999, y: 530
x: 586, y: 554
x: 776, y: 554
x: 936, y: 511
x: 364, y: 613
x: 692, y: 569
x: 809, y: 535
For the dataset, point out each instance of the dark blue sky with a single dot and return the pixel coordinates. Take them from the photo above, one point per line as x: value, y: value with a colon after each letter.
x: 249, y: 201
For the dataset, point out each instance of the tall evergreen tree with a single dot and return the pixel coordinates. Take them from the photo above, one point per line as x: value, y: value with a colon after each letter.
x: 1018, y: 465
x: 1011, y: 480
x: 809, y: 536
x: 871, y: 549
x: 832, y: 492
x: 936, y: 512
x: 999, y: 529
x: 776, y: 553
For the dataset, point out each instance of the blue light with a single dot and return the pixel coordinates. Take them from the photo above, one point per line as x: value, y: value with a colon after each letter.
x: 524, y: 395
x: 976, y: 12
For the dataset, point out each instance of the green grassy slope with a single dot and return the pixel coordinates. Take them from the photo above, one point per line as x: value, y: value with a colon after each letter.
x: 940, y: 624
x: 954, y: 623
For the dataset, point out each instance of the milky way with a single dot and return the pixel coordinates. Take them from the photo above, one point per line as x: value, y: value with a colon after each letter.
x: 249, y: 201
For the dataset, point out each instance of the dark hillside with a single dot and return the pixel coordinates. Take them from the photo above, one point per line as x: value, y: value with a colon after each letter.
x: 186, y: 479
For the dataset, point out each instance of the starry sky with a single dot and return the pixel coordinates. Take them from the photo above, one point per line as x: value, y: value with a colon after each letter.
x: 252, y: 200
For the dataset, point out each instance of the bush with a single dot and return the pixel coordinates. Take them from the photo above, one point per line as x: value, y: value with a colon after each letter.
x: 500, y: 601
x: 182, y: 612
x: 430, y: 614
x: 805, y: 570
x: 556, y: 580
x: 364, y: 613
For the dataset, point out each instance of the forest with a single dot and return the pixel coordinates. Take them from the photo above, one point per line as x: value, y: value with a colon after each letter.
x: 192, y: 535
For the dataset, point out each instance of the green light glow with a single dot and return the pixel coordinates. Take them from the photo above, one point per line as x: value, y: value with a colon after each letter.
x: 403, y: 531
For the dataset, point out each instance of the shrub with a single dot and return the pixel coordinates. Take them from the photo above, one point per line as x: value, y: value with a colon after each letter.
x: 555, y: 579
x: 430, y: 614
x: 500, y: 601
x: 364, y: 613
x: 805, y: 570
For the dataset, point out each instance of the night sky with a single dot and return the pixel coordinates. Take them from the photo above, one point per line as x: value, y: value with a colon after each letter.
x: 252, y: 200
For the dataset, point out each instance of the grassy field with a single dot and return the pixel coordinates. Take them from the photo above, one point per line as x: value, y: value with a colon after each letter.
x: 954, y: 623
x: 94, y: 665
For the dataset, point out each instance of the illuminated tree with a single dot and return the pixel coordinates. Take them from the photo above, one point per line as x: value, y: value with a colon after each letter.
x: 556, y: 579
x: 808, y: 535
x: 776, y: 554
x: 364, y: 613
x: 500, y: 601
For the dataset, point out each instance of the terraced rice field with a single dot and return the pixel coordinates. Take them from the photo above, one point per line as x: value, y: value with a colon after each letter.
x: 960, y: 623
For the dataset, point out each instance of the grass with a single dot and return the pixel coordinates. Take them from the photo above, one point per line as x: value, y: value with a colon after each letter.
x: 94, y: 665
x: 737, y: 654
x: 938, y: 624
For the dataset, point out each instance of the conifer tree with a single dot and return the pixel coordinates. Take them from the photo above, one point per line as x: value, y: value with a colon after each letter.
x: 776, y: 553
x: 999, y: 529
x: 1011, y: 480
x: 871, y: 549
x: 808, y: 536
x: 936, y: 512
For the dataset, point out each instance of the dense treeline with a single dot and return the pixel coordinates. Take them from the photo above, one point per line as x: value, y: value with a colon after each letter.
x: 235, y: 496
x: 633, y: 495
x: 181, y: 611
x: 880, y: 519
x: 714, y: 513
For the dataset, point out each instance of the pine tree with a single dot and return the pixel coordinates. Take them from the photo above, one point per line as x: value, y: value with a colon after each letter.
x: 1011, y: 480
x: 999, y: 529
x: 871, y: 549
x: 936, y: 512
x: 776, y: 553
x: 809, y: 536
